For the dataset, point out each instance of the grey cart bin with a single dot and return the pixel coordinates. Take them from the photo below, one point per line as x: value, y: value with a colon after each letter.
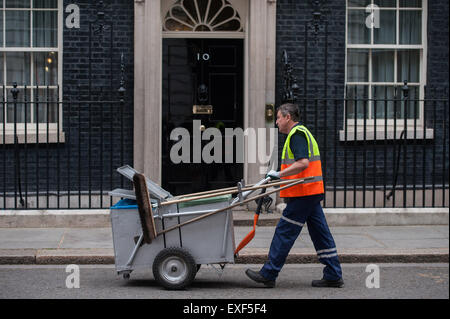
x: 174, y: 256
x: 157, y: 233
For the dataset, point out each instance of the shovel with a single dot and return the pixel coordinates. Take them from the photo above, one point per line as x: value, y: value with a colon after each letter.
x: 251, y: 234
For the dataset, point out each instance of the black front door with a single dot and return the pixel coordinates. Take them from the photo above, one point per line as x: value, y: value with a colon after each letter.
x: 202, y: 85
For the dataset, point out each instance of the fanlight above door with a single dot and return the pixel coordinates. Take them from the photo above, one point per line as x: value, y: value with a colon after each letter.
x: 202, y: 15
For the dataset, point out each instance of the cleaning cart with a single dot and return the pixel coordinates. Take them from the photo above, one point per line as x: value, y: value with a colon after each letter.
x: 176, y: 235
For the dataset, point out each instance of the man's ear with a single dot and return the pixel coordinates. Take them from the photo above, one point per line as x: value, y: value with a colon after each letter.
x: 288, y: 117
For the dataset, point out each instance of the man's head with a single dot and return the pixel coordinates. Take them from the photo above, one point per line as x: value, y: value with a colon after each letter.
x: 287, y: 116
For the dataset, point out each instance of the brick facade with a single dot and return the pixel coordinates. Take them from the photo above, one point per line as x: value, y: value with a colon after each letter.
x: 364, y: 160
x: 100, y: 71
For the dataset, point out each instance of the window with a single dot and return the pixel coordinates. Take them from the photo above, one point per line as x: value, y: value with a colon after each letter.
x: 30, y: 51
x: 202, y: 16
x: 386, y: 45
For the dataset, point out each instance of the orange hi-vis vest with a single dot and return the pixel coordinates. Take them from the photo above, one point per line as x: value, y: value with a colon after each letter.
x: 310, y: 187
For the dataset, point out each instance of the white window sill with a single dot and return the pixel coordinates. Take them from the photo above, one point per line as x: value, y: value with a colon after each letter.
x: 31, y: 137
x: 382, y: 135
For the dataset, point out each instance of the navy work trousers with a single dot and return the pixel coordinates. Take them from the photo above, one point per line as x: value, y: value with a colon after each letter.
x: 298, y: 211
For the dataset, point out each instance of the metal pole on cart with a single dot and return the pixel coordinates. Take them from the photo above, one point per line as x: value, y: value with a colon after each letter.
x: 234, y: 205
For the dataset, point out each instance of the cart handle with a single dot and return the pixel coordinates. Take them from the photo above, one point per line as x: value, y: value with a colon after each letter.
x: 290, y: 184
x: 234, y: 190
x: 219, y: 190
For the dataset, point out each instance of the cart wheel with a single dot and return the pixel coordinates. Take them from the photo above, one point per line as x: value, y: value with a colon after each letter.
x: 126, y: 276
x: 174, y: 268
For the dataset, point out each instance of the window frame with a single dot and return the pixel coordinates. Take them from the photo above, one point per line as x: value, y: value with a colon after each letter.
x: 35, y: 132
x: 380, y: 124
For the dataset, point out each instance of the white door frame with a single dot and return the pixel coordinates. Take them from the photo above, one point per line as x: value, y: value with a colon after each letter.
x: 259, y: 76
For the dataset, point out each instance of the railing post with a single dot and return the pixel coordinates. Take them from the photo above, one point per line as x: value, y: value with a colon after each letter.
x: 36, y: 111
x: 374, y: 149
x: 433, y: 172
x: 122, y: 91
x: 17, y: 183
x: 405, y: 91
x: 4, y: 104
x: 444, y: 147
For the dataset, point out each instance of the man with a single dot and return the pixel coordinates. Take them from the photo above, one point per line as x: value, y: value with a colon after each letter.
x: 300, y: 158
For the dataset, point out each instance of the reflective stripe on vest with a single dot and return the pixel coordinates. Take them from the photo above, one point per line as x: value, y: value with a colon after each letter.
x: 314, y: 169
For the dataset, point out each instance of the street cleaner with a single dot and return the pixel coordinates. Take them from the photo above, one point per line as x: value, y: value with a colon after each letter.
x: 300, y: 159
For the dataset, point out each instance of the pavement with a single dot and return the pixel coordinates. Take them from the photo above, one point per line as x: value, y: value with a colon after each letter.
x: 378, y: 243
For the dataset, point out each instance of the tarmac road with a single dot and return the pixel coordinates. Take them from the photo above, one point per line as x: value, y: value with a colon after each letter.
x: 408, y: 281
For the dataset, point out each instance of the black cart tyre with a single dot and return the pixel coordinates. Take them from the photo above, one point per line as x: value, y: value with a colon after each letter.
x: 174, y: 268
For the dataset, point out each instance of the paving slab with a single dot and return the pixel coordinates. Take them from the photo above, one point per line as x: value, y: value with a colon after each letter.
x: 87, y: 238
x: 417, y: 243
x: 263, y: 238
x: 22, y: 238
x: 354, y: 244
x: 345, y: 237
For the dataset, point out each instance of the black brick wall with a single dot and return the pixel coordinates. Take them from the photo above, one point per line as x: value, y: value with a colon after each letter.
x: 437, y: 75
x: 89, y: 61
x: 100, y: 71
x: 364, y: 162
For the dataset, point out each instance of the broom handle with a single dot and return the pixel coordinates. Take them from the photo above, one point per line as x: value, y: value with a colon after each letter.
x: 211, y: 191
x: 281, y: 182
x: 215, y: 191
x: 232, y: 206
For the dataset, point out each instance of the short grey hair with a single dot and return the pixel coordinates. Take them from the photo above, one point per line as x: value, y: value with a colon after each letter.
x: 291, y: 109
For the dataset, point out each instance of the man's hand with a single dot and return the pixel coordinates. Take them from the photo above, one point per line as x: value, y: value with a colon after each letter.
x: 273, y: 175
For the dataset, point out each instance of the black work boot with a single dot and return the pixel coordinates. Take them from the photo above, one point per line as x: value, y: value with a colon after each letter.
x: 328, y: 283
x: 256, y: 276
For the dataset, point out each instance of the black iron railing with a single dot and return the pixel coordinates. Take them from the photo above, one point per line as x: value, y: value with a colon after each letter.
x: 382, y: 152
x: 66, y: 156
